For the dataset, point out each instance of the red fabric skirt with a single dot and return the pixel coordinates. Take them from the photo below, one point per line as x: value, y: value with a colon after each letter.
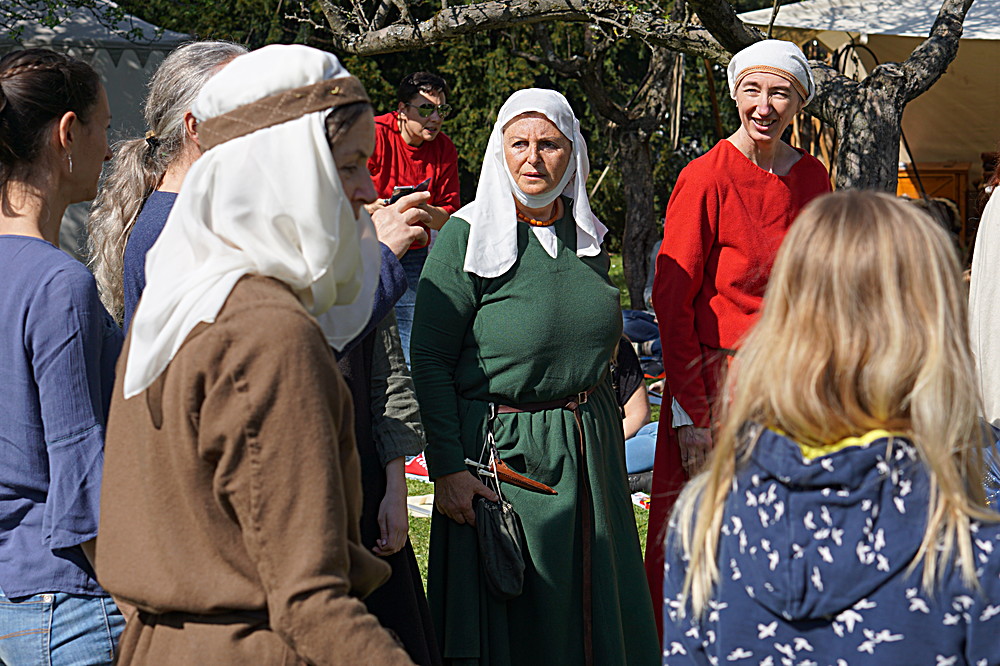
x: 669, y: 478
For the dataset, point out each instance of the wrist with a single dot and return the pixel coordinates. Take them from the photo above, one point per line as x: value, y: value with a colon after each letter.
x: 395, y: 475
x: 394, y: 496
x: 394, y: 485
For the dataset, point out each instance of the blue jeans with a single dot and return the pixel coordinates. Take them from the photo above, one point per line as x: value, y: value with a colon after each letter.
x: 640, y: 449
x: 412, y: 262
x: 59, y: 629
x: 640, y: 326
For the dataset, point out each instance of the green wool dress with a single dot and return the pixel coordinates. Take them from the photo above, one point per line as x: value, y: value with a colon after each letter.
x: 543, y: 331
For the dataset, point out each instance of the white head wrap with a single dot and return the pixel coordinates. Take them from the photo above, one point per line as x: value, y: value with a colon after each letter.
x: 267, y: 203
x: 773, y: 56
x: 492, y: 217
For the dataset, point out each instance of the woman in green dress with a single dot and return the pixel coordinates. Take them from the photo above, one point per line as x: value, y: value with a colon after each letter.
x: 515, y: 309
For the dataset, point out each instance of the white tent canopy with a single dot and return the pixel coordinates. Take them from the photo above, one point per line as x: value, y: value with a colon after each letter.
x: 957, y: 118
x: 903, y: 18
x: 82, y: 30
x: 125, y: 66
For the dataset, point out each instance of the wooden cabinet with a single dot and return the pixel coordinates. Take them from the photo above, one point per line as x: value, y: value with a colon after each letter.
x: 948, y: 180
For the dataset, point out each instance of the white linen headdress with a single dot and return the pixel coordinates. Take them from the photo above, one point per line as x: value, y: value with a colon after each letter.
x: 492, y: 217
x: 773, y: 56
x: 266, y: 203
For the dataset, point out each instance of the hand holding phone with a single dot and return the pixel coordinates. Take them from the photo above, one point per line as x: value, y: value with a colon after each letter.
x: 400, y: 192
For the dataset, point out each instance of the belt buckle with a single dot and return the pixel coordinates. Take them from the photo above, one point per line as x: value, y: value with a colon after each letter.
x: 581, y: 398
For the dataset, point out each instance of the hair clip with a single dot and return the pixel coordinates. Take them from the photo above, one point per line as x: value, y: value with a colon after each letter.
x: 152, y: 140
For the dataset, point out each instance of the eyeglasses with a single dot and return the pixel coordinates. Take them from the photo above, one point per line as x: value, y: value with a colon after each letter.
x: 427, y: 110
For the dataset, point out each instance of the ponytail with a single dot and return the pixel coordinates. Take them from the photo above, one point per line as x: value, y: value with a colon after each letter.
x: 134, y: 172
x: 138, y: 165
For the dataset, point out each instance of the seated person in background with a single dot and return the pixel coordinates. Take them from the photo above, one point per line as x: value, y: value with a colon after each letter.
x: 409, y: 149
x: 641, y: 328
x: 841, y: 517
x: 640, y: 434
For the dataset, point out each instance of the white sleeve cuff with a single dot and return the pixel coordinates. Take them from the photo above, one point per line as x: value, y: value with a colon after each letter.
x: 679, y: 418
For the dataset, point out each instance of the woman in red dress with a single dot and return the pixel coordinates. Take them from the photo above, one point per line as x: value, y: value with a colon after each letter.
x: 728, y: 213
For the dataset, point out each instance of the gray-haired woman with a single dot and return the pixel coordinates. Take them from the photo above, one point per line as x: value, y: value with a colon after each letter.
x: 145, y: 174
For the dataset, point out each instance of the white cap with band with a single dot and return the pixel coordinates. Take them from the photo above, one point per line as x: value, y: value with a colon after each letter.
x: 773, y: 56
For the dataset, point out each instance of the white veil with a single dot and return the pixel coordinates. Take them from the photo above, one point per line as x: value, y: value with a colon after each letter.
x: 492, y: 217
x: 267, y: 203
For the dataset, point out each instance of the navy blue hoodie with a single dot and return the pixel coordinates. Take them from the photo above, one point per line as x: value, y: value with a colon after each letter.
x: 814, y: 564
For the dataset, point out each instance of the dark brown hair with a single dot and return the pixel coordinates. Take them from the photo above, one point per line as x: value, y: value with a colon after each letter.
x: 340, y: 120
x: 37, y: 87
x: 420, y: 82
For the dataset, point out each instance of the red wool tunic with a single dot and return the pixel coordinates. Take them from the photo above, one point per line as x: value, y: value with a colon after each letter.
x: 395, y: 163
x: 725, y: 221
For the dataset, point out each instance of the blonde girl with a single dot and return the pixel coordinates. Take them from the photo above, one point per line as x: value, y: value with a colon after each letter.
x: 842, y: 515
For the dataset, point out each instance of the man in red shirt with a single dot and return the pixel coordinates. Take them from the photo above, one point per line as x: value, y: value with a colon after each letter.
x: 409, y: 149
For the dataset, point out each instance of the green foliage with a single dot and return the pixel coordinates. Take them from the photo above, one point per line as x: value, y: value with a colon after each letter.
x: 483, y: 69
x: 420, y: 528
x: 253, y: 23
x: 617, y: 275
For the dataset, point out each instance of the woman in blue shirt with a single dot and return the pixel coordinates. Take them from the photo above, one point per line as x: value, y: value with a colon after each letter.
x: 58, y: 347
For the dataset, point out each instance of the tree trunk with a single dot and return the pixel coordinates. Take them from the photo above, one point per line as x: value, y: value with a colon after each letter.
x: 640, y: 219
x: 868, y: 144
x: 868, y: 132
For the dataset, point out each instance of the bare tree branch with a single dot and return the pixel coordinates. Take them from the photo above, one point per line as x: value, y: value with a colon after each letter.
x: 833, y: 92
x: 720, y: 20
x: 598, y: 97
x: 652, y: 100
x: 571, y: 67
x: 381, y: 18
x: 929, y: 60
x: 404, y: 11
x: 359, y: 13
x: 451, y: 22
x: 335, y: 18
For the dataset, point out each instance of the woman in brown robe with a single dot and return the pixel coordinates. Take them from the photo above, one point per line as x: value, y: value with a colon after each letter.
x: 232, y: 495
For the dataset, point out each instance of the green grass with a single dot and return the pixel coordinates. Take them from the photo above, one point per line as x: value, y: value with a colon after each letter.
x: 617, y: 275
x: 420, y: 528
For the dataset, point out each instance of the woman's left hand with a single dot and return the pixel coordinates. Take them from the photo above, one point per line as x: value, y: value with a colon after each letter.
x: 393, y: 517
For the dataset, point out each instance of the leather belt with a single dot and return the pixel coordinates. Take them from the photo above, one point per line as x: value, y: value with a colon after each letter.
x: 570, y: 403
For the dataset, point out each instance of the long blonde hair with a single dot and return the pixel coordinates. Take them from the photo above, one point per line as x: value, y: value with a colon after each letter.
x: 138, y: 164
x: 864, y: 326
